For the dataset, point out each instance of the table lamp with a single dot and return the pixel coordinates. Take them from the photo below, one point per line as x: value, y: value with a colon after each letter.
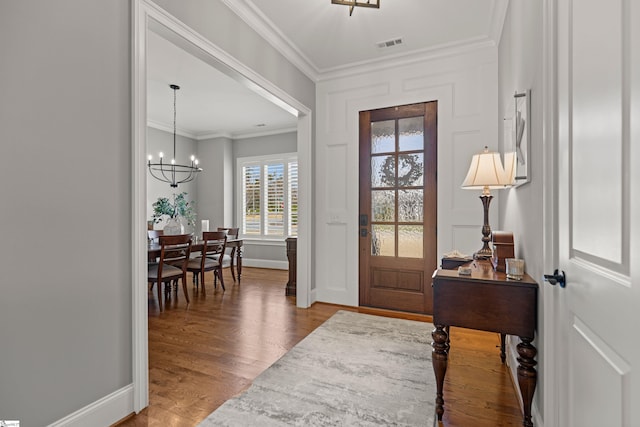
x: 486, y: 173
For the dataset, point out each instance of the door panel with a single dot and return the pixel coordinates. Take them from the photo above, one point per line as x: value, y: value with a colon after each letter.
x: 398, y: 160
x: 594, y: 346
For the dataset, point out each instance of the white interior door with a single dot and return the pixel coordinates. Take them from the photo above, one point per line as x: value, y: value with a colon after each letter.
x: 597, y: 345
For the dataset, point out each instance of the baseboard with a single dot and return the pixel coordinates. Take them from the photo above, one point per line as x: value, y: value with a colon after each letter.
x: 103, y: 412
x: 265, y: 263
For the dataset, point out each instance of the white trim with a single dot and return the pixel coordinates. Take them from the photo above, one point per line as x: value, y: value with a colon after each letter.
x: 103, y: 412
x: 144, y: 12
x: 264, y: 133
x: 264, y: 242
x: 204, y: 136
x: 304, y: 251
x: 265, y: 263
x: 547, y: 299
x: 139, y: 336
x: 265, y: 28
x: 497, y: 20
x: 404, y: 59
x: 169, y: 129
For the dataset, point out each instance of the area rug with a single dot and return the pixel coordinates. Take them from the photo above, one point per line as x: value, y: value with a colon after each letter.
x: 354, y: 370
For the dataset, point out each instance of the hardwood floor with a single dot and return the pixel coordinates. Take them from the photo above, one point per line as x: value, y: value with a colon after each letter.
x: 202, y: 355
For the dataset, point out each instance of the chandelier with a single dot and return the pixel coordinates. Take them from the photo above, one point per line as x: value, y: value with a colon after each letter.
x: 173, y: 173
x: 354, y: 3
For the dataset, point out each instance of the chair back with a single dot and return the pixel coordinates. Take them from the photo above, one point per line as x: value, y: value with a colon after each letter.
x: 174, y: 250
x: 214, y: 243
x: 232, y: 232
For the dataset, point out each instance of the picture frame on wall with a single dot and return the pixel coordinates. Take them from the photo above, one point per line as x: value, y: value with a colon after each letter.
x: 517, y: 138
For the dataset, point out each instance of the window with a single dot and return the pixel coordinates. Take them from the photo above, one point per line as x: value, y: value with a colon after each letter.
x: 268, y: 196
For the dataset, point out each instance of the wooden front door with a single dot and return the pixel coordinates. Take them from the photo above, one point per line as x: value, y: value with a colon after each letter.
x: 398, y: 161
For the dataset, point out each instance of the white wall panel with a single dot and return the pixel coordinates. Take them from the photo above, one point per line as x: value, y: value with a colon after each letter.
x: 336, y: 191
x: 465, y: 87
x: 336, y: 285
x: 597, y: 120
x: 598, y: 376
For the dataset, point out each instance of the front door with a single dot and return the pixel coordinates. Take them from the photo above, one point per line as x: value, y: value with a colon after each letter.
x: 398, y: 160
x: 597, y: 349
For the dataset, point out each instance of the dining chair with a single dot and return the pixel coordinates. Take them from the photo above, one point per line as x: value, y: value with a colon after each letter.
x: 213, y: 247
x: 172, y: 264
x: 230, y: 255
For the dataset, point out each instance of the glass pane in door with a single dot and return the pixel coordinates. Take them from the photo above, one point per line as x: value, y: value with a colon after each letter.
x: 410, y: 241
x: 383, y: 171
x: 411, y: 132
x: 383, y: 240
x: 410, y: 170
x: 383, y: 206
x: 410, y: 206
x: 383, y: 137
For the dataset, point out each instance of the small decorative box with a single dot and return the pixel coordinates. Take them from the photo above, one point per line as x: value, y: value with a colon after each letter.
x: 502, y: 242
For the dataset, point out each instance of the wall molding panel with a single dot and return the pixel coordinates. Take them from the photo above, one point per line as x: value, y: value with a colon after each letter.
x: 465, y: 87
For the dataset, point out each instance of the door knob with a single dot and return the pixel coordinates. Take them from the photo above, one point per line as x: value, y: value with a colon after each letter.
x: 557, y: 277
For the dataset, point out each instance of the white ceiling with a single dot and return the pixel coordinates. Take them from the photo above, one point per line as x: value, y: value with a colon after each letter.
x: 323, y: 41
x: 209, y: 103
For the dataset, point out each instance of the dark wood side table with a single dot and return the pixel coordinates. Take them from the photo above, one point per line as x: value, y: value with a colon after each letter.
x: 292, y: 244
x: 486, y: 301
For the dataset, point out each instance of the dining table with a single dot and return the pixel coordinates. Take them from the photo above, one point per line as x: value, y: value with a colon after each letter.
x: 197, y: 244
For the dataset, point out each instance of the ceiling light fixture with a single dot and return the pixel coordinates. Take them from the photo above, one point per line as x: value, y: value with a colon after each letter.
x: 172, y: 173
x: 354, y: 3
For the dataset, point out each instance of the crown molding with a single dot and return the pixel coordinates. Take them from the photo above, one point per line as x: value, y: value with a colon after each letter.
x: 168, y: 128
x: 500, y: 8
x: 403, y: 59
x: 267, y: 30
x: 246, y: 135
x: 246, y: 10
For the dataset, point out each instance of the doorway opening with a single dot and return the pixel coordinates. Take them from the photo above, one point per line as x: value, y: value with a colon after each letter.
x: 147, y: 16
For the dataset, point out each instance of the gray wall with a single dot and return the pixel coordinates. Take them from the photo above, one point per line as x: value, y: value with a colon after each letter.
x: 215, y: 186
x: 65, y: 124
x: 521, y: 210
x: 65, y: 121
x: 265, y: 145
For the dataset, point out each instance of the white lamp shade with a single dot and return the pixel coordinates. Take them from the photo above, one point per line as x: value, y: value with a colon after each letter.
x: 486, y: 172
x: 510, y: 161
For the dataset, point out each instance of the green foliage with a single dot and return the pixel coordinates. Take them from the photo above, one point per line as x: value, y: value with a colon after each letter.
x: 179, y: 208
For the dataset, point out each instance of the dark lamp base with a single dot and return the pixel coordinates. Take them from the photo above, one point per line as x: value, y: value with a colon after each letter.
x: 484, y: 253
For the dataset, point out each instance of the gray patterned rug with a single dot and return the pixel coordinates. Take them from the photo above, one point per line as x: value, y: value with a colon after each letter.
x: 353, y: 370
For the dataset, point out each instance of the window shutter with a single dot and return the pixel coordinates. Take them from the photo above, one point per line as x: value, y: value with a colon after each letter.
x: 251, y: 200
x: 275, y: 199
x: 293, y: 198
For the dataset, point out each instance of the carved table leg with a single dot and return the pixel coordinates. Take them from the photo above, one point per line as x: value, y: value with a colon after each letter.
x: 439, y: 357
x: 503, y: 355
x: 527, y: 376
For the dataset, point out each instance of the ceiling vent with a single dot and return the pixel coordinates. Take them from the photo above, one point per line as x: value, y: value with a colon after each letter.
x: 389, y: 43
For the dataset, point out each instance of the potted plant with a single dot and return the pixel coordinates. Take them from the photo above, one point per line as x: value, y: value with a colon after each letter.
x: 179, y: 209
